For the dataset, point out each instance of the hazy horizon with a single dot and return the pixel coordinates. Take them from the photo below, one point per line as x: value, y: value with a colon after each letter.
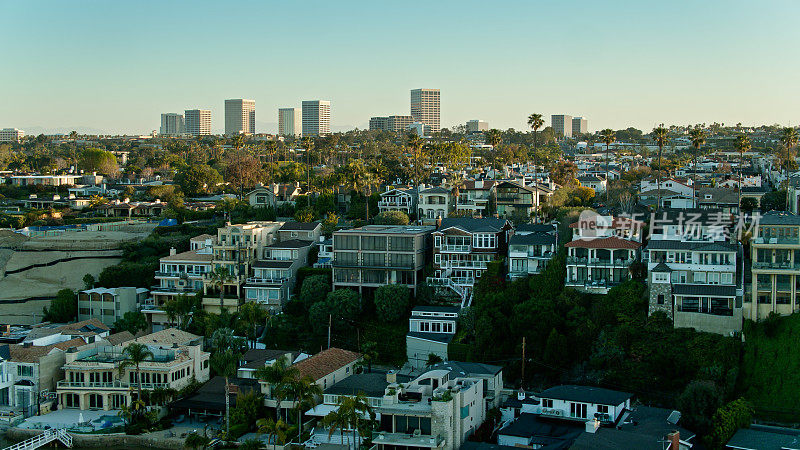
x: 114, y: 67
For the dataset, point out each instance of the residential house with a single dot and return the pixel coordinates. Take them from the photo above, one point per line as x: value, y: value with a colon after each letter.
x: 398, y: 199
x: 530, y: 248
x: 601, y: 251
x: 274, y: 275
x: 517, y: 201
x: 127, y: 208
x: 371, y: 256
x: 597, y: 183
x: 261, y: 197
x: 462, y: 247
x: 474, y: 197
x: 93, y: 379
x: 430, y: 330
x: 235, y: 250
x: 325, y: 254
x: 695, y: 271
x: 299, y: 230
x: 434, y: 203
x: 179, y: 274
x: 775, y: 257
x: 325, y: 369
x: 726, y: 199
x: 256, y: 358
x: 109, y: 304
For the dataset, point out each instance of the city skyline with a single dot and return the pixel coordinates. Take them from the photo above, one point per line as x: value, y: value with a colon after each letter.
x: 716, y: 61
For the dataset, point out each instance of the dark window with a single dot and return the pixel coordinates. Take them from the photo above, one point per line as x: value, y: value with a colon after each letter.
x: 660, y: 299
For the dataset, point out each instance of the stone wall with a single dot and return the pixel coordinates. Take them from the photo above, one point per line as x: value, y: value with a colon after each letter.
x: 664, y: 289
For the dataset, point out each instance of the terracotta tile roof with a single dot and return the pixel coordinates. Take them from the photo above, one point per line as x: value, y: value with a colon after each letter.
x: 119, y: 338
x: 20, y: 353
x: 612, y: 242
x: 190, y: 255
x: 326, y: 362
x: 77, y: 342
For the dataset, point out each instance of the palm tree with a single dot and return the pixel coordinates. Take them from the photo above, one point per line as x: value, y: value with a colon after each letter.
x: 277, y: 430
x: 660, y: 136
x: 305, y: 392
x: 220, y: 276
x: 308, y: 145
x: 698, y: 138
x: 136, y: 354
x: 225, y: 363
x: 337, y: 420
x: 417, y: 146
x: 494, y: 138
x: 744, y: 145
x: 608, y: 137
x: 789, y: 140
x: 277, y: 376
x: 535, y: 121
x: 354, y: 409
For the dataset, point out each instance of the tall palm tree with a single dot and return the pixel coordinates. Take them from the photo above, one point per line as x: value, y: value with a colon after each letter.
x: 494, y: 138
x: 219, y: 277
x: 789, y: 140
x: 277, y: 376
x: 308, y: 145
x: 698, y: 138
x: 305, y: 392
x: 608, y: 137
x: 337, y: 420
x: 660, y: 136
x: 535, y: 121
x: 744, y: 145
x: 136, y: 354
x: 417, y: 146
x: 276, y: 430
x: 225, y: 363
x: 355, y: 409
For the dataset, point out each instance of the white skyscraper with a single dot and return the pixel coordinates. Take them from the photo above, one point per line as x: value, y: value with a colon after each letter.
x: 426, y: 108
x: 316, y: 118
x: 198, y: 122
x: 290, y: 122
x: 240, y: 116
x: 476, y: 126
x: 11, y: 135
x: 172, y: 124
x: 562, y: 125
x: 579, y: 126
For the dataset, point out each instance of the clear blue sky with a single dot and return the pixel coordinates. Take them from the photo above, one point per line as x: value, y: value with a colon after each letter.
x: 116, y: 65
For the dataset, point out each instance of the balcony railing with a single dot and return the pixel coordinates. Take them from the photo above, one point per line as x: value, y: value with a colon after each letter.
x: 777, y: 240
x: 395, y: 203
x: 63, y: 384
x: 712, y: 311
x: 777, y: 265
x: 179, y: 274
x: 591, y: 284
x: 600, y: 261
x: 463, y: 265
x: 258, y: 280
x: 171, y: 289
x: 456, y: 248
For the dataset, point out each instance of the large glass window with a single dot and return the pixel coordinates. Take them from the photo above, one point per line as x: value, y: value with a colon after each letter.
x: 401, y: 244
x: 374, y: 259
x: 344, y: 242
x: 373, y: 243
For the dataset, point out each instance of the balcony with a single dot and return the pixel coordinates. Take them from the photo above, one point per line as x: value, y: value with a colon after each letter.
x: 160, y: 274
x: 599, y: 261
x: 782, y: 240
x: 63, y: 384
x: 706, y: 310
x: 776, y: 266
x: 406, y: 440
x: 448, y: 248
x: 187, y: 290
x: 463, y: 265
x: 388, y: 203
x: 257, y: 280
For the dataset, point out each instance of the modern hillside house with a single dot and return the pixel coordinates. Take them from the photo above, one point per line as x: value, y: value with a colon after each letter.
x: 695, y: 271
x: 273, y: 278
x: 530, y: 248
x: 372, y: 256
x: 430, y: 330
x: 398, y: 199
x: 775, y: 256
x: 461, y: 249
x: 601, y: 251
x: 93, y: 379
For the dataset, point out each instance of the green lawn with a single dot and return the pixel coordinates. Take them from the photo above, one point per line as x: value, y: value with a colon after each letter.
x: 770, y: 369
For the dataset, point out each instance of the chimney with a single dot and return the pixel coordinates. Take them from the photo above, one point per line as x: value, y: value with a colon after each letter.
x: 173, y: 251
x: 674, y: 440
x: 592, y: 425
x: 479, y: 184
x: 391, y: 377
x: 520, y: 394
x: 322, y: 239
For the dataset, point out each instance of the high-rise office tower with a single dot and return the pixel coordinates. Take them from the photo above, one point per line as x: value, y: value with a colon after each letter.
x: 425, y: 108
x: 240, y: 116
x: 11, y: 135
x: 562, y: 124
x: 290, y: 122
x: 579, y: 126
x: 477, y: 126
x: 172, y: 124
x: 316, y: 118
x: 198, y: 122
x: 379, y: 123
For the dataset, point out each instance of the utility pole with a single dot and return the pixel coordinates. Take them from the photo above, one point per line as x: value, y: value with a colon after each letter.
x: 522, y: 383
x: 330, y: 321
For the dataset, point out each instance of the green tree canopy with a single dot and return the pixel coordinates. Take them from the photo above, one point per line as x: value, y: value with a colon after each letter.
x: 391, y: 302
x: 133, y: 321
x: 392, y: 218
x: 315, y: 288
x: 198, y: 179
x: 63, y: 308
x: 97, y: 160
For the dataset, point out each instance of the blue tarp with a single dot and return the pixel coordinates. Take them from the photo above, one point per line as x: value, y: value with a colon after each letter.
x: 168, y: 223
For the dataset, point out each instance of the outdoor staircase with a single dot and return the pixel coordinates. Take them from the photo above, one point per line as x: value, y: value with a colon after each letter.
x: 43, y: 439
x: 464, y: 293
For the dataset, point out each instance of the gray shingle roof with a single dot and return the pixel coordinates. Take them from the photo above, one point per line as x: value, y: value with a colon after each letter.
x: 472, y: 225
x: 588, y: 394
x: 761, y: 437
x: 710, y: 290
x: 444, y: 338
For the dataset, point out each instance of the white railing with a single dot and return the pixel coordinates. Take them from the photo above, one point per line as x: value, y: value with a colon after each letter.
x: 463, y: 264
x: 267, y: 280
x: 456, y: 248
x: 108, y: 385
x: 43, y: 439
